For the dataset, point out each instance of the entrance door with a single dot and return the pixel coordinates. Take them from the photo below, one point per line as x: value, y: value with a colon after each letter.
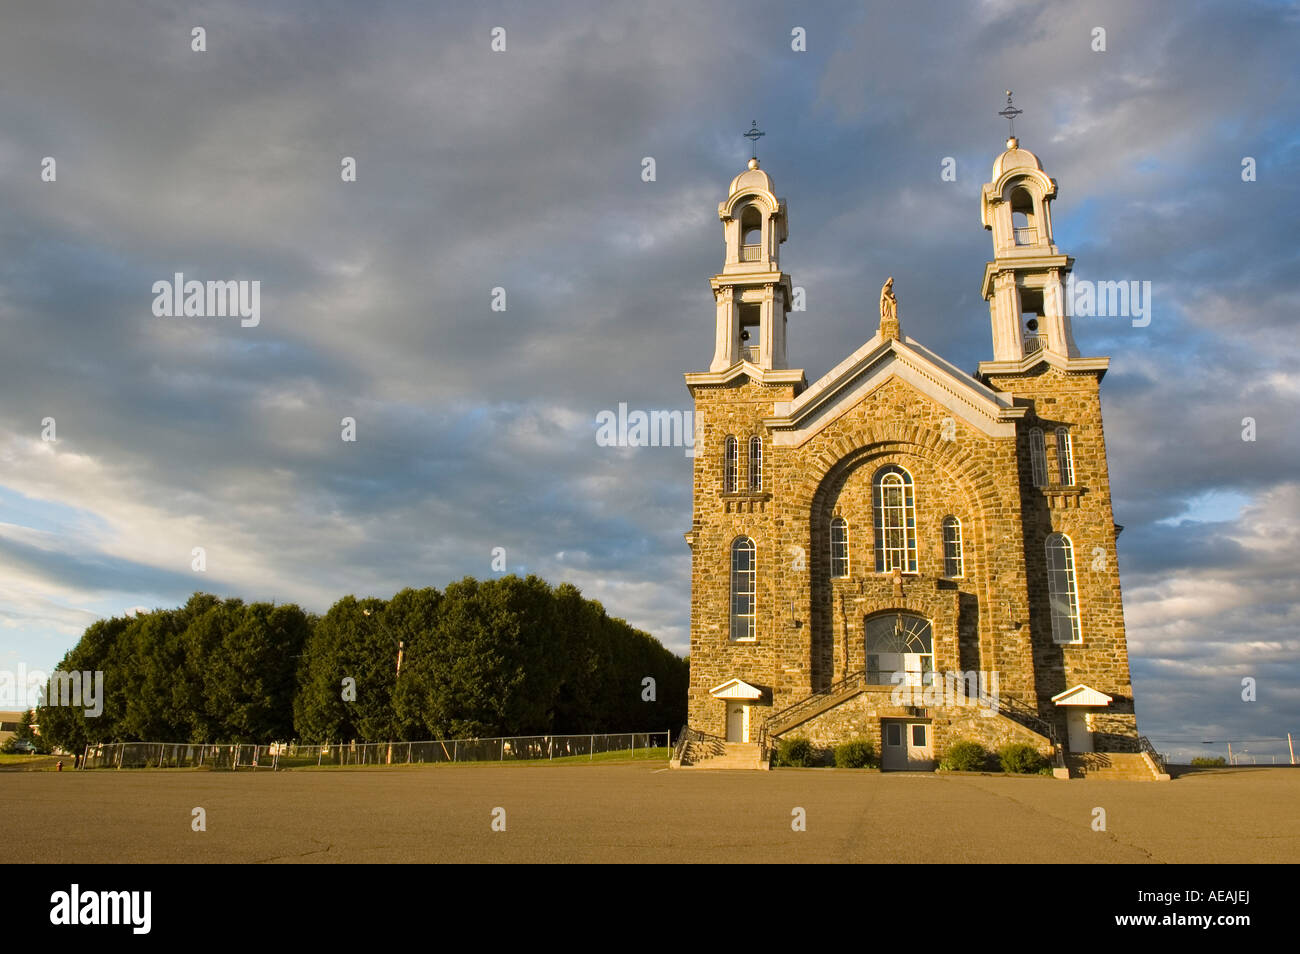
x: 737, y: 722
x: 1080, y: 736
x: 894, y: 755
x: 907, y: 746
x: 920, y: 754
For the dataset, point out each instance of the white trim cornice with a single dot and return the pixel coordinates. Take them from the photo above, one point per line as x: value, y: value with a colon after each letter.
x: 731, y: 278
x: 1032, y: 260
x: 793, y: 377
x: 1096, y: 366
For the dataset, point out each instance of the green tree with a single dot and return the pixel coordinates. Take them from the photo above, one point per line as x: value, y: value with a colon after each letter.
x: 350, y: 642
x: 209, y: 622
x: 68, y: 727
x: 411, y: 617
x: 251, y: 675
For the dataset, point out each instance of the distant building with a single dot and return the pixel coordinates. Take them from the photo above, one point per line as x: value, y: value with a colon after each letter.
x: 900, y: 524
x: 10, y: 720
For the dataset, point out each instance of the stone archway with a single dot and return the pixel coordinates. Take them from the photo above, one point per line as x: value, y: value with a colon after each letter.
x: 816, y: 495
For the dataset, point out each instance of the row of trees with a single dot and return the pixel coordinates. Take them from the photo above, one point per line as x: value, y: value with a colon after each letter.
x: 508, y: 656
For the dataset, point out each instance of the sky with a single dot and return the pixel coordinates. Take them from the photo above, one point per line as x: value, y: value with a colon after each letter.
x: 522, y: 169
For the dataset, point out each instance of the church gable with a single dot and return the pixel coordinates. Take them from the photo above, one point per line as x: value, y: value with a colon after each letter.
x: 884, y: 359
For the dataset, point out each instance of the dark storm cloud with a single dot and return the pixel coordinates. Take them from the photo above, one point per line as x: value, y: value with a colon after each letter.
x: 522, y: 170
x: 94, y: 574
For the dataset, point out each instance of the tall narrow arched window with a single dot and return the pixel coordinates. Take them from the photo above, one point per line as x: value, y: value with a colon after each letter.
x: 1065, y: 456
x: 1062, y: 591
x: 743, y: 587
x: 755, y: 463
x: 729, y: 462
x: 839, y: 547
x: 954, y: 564
x: 1038, y: 456
x: 895, y: 512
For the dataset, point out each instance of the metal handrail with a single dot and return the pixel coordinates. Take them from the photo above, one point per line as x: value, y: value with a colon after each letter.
x: 806, y: 702
x: 1144, y: 744
x: 680, y: 747
x: 690, y: 735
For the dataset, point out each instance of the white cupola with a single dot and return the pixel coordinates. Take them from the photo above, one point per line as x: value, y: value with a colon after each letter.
x: 751, y: 292
x: 1024, y: 284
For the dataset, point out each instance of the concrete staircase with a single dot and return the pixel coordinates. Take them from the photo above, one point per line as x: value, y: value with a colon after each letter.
x: 1129, y: 766
x: 737, y: 755
x: 815, y: 704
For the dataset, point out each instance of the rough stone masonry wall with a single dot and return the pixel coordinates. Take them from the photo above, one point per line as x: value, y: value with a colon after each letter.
x: 802, y: 626
x: 1082, y: 512
x: 1002, y: 620
x: 719, y: 518
x: 971, y: 476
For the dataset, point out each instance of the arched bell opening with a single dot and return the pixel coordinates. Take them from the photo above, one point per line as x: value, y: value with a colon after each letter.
x: 751, y: 234
x: 1024, y: 220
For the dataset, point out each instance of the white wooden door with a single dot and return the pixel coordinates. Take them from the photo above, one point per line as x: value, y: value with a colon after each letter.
x: 736, y: 722
x: 1076, y: 721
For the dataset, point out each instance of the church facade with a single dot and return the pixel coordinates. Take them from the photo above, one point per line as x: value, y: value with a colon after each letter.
x: 900, y: 551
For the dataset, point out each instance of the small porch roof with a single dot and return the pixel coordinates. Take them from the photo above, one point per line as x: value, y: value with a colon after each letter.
x: 736, y: 689
x: 1082, y: 695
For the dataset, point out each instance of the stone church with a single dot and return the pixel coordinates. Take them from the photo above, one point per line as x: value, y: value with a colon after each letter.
x: 901, y: 551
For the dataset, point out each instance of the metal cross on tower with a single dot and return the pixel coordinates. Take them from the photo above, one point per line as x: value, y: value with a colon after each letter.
x: 754, y: 135
x: 1011, y: 113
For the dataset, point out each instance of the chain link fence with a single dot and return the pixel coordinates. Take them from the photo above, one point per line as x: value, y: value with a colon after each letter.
x: 291, y: 755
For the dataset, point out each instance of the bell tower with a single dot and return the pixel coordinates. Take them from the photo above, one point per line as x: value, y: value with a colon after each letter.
x: 1025, y: 283
x: 751, y: 292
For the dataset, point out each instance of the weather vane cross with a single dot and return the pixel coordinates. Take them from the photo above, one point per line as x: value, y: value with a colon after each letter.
x: 754, y: 135
x: 1011, y: 113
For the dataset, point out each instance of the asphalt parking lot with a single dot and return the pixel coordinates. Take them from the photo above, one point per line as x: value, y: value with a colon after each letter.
x: 641, y: 812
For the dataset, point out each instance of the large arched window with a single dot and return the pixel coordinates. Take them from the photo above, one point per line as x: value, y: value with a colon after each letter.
x: 1062, y: 592
x: 900, y: 650
x: 1038, y: 456
x: 839, y: 547
x: 1065, y: 456
x: 954, y: 564
x: 895, y: 513
x: 729, y: 462
x: 755, y: 464
x: 744, y: 577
